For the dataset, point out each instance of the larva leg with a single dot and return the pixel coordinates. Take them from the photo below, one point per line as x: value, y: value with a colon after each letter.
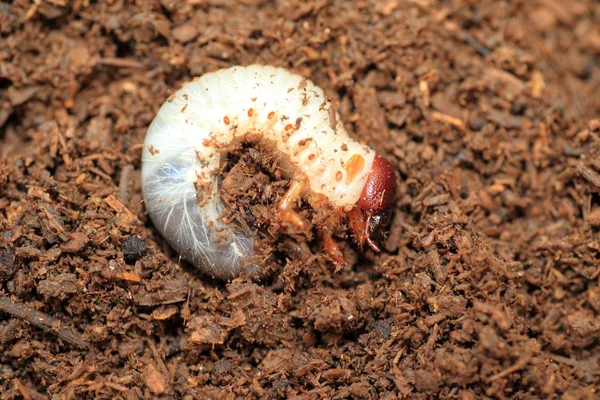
x: 286, y: 206
x: 356, y: 220
x: 332, y: 248
x: 367, y: 234
x: 361, y: 228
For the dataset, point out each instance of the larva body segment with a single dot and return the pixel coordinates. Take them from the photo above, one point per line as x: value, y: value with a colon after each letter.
x: 271, y: 107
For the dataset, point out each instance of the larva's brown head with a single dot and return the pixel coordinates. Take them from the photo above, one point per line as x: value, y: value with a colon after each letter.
x: 380, y: 190
x: 375, y: 201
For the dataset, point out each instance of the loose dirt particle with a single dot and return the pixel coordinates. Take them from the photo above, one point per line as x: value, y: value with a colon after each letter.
x: 133, y: 248
x: 76, y: 243
x: 7, y: 264
x: 58, y: 286
x: 154, y: 380
x: 185, y: 33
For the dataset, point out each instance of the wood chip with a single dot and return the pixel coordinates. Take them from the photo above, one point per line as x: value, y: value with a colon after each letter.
x: 76, y: 243
x: 154, y: 380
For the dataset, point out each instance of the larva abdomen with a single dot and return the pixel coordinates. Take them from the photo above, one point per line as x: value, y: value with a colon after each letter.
x: 193, y: 230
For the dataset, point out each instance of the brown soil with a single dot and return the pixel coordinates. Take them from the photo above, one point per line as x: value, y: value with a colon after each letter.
x: 488, y: 285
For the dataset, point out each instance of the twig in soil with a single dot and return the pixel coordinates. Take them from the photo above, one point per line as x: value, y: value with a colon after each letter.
x: 22, y: 389
x: 120, y: 62
x: 125, y: 183
x: 447, y: 119
x: 471, y: 41
x: 576, y: 103
x: 520, y: 364
x: 591, y: 176
x: 161, y: 364
x: 467, y: 38
x: 43, y: 321
x: 589, y: 366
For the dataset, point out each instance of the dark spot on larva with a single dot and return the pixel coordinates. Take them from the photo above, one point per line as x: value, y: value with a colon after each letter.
x: 250, y: 112
x: 153, y: 150
x: 298, y: 122
x: 226, y: 120
x: 332, y: 119
x: 253, y: 99
x: 303, y: 142
x: 311, y: 157
x: 271, y: 115
x: 338, y: 176
x: 344, y: 147
x: 288, y: 127
x: 185, y: 96
x: 171, y: 98
x: 305, y: 99
x: 184, y: 107
x: 302, y: 83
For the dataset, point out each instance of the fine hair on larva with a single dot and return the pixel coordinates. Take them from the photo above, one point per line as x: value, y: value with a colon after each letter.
x: 187, y: 142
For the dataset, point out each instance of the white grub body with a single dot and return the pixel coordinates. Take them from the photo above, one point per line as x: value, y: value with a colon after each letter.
x: 186, y: 144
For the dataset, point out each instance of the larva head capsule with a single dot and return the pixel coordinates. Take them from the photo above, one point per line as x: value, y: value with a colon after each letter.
x: 375, y: 201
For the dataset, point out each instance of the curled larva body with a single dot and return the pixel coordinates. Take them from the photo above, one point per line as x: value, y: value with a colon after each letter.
x: 191, y: 134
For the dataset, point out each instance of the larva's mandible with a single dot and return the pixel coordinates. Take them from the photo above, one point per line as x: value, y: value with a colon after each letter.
x: 279, y: 111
